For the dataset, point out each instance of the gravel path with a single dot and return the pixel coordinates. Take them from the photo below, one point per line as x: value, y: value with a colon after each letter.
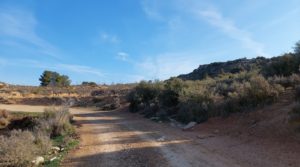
x: 117, y: 138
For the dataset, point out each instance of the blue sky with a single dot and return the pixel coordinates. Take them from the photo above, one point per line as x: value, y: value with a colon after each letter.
x: 130, y: 40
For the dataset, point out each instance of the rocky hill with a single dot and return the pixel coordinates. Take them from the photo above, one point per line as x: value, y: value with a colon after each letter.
x: 235, y: 66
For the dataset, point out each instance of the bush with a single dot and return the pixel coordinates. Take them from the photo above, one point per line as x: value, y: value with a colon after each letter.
x: 4, y: 114
x: 260, y: 92
x: 18, y: 149
x: 290, y: 81
x: 3, y: 122
x: 144, y: 94
x: 21, y: 147
x: 4, y: 118
x: 173, y: 88
x: 43, y: 142
x: 195, y: 108
x: 199, y: 100
x: 56, y: 121
x: 85, y: 83
x: 284, y: 65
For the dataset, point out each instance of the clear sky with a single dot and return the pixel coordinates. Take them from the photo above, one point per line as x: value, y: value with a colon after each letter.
x: 117, y: 41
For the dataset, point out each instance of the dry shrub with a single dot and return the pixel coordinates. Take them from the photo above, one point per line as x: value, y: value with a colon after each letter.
x: 4, y: 118
x: 261, y: 92
x: 56, y: 121
x: 21, y: 147
x: 3, y: 122
x: 43, y: 142
x: 289, y: 81
x: 4, y: 114
x: 18, y: 149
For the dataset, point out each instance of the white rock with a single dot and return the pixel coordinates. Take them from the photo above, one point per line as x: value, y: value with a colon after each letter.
x: 52, y: 159
x: 161, y: 139
x: 189, y: 125
x: 38, y: 160
x: 55, y: 148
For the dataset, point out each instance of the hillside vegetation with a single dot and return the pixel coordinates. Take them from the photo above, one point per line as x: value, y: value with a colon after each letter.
x: 218, y: 89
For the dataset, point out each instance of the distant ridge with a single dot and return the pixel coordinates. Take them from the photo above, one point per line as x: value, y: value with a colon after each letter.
x: 217, y: 68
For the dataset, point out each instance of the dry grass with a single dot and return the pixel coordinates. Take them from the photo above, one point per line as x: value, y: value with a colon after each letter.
x: 18, y: 149
x: 56, y: 121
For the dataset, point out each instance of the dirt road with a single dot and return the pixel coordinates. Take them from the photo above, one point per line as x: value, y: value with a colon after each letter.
x: 119, y: 138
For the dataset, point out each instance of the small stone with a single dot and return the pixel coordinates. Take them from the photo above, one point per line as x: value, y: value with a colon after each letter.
x: 52, y: 159
x: 161, y: 139
x: 189, y: 125
x: 55, y: 148
x: 38, y: 160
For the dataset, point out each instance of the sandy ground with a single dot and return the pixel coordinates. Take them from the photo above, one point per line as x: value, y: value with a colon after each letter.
x: 119, y: 138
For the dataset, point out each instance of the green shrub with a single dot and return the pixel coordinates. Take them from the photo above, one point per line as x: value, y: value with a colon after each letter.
x: 85, y: 83
x: 283, y: 65
x: 247, y: 95
x: 194, y: 107
x: 210, y: 97
x: 144, y: 94
x: 173, y: 88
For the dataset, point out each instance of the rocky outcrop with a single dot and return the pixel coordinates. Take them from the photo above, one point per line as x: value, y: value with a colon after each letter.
x: 215, y: 69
